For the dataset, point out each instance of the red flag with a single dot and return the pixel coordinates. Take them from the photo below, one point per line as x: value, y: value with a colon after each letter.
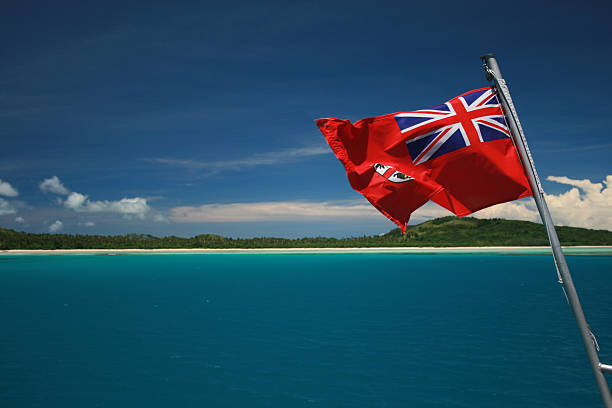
x: 458, y: 154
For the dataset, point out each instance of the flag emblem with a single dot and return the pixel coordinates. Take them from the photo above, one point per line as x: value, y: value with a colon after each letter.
x: 390, y: 174
x: 474, y: 117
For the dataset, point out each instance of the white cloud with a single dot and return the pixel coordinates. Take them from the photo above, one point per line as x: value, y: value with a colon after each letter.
x: 75, y: 201
x: 136, y: 206
x: 581, y: 147
x: 56, y: 226
x: 19, y: 220
x: 53, y: 185
x: 6, y: 207
x: 587, y: 205
x: 590, y: 208
x: 7, y: 190
x: 275, y: 211
x: 258, y: 159
x: 89, y: 224
x: 127, y: 206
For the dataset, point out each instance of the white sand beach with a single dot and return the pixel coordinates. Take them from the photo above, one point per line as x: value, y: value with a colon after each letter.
x: 519, y: 250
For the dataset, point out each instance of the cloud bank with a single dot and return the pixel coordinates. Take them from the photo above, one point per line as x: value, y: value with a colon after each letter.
x: 274, y: 211
x: 586, y: 204
x: 7, y: 190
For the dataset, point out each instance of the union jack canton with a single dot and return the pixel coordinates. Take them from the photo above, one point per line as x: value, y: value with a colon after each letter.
x: 474, y: 117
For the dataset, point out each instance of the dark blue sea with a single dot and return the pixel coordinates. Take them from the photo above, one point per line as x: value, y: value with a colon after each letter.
x: 295, y: 330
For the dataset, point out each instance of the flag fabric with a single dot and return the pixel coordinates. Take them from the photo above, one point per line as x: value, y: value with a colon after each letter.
x: 458, y: 154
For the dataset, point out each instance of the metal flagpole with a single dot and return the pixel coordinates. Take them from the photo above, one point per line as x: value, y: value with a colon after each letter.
x: 590, y: 343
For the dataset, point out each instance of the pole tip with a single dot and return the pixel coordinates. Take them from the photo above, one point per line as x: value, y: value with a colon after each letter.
x: 489, y: 55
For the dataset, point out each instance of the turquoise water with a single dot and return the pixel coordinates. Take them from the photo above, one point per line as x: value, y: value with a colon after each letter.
x: 293, y: 330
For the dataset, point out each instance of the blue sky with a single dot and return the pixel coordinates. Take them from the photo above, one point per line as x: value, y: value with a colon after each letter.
x: 186, y: 118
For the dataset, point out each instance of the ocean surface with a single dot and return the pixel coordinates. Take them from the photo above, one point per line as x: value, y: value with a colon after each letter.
x: 295, y: 330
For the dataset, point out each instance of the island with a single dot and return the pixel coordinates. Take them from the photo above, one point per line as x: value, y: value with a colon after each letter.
x: 439, y: 232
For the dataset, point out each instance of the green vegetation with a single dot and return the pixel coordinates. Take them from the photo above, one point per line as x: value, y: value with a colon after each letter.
x: 441, y: 232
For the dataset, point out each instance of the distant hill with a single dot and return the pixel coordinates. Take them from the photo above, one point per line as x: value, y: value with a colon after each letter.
x: 456, y: 231
x: 440, y: 232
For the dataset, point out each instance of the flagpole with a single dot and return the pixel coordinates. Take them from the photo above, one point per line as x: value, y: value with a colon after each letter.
x: 493, y: 73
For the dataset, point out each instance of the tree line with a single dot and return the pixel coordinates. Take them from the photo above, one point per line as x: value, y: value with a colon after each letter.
x: 440, y: 232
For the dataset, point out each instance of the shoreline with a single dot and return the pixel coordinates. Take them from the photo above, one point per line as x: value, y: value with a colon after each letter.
x: 519, y: 250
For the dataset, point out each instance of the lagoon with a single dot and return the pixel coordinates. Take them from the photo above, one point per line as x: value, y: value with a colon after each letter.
x: 298, y: 329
